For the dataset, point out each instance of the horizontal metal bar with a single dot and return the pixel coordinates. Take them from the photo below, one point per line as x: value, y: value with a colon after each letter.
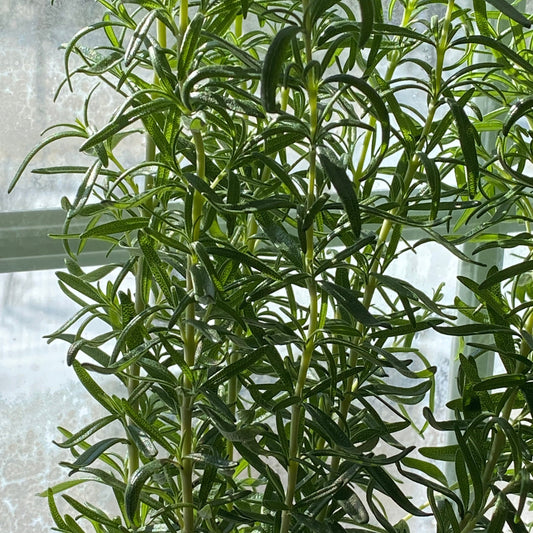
x: 25, y: 242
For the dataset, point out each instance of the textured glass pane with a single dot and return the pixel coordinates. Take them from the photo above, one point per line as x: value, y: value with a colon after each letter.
x: 37, y: 393
x: 31, y: 68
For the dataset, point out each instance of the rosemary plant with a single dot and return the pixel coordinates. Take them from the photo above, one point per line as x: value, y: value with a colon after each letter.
x: 253, y: 328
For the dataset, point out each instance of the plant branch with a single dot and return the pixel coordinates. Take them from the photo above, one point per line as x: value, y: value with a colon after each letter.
x: 472, y: 516
x: 313, y: 314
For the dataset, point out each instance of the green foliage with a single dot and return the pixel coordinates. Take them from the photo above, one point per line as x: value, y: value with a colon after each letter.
x: 254, y: 331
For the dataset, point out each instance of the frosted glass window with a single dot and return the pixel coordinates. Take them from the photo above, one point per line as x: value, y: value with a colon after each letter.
x: 38, y: 392
x: 31, y: 68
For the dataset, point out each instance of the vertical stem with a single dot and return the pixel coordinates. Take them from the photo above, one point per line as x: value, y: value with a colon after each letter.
x: 391, y: 69
x: 233, y: 383
x: 140, y: 303
x: 498, y: 444
x: 189, y: 348
x: 238, y: 26
x: 190, y: 345
x: 296, y: 410
x: 233, y: 392
x: 188, y: 334
x: 309, y: 346
x: 183, y: 20
x: 382, y: 237
x: 387, y: 225
x: 161, y: 33
x: 133, y: 370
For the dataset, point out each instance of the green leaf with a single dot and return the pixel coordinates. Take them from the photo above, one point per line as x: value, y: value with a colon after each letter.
x: 54, y: 512
x: 469, y: 450
x: 316, y: 8
x: 471, y: 329
x: 511, y: 12
x: 81, y: 286
x: 93, y: 388
x: 104, y: 64
x: 278, y: 235
x: 432, y: 486
x: 143, y: 443
x: 402, y: 527
x: 311, y: 525
x: 158, y: 372
x: 506, y: 273
x: 516, y: 112
x: 468, y: 138
x: 480, y: 13
x: 427, y: 468
x: 85, y: 310
x: 38, y: 148
x: 156, y: 266
x: 502, y: 381
x: 116, y: 226
x: 124, y: 120
x: 367, y: 21
x: 65, y: 485
x: 228, y: 251
x: 218, y: 462
x: 204, y: 189
x: 469, y: 368
x: 203, y: 286
x: 189, y: 45
x: 211, y: 274
x: 212, y: 73
x: 85, y: 189
x: 352, y: 505
x: 161, y: 67
x: 90, y: 348
x: 326, y: 427
x: 502, y: 51
x: 233, y: 369
x: 136, y: 484
x: 241, y: 54
x: 139, y: 36
x: 348, y: 299
x: 405, y: 395
x: 345, y: 189
x: 273, y: 66
x: 404, y: 288
x: 90, y: 513
x: 405, y: 329
x: 86, y: 432
x: 149, y: 429
x: 377, y: 108
x: 100, y: 272
x: 440, y: 453
x: 497, y: 311
x: 72, y: 525
x: 386, y: 485
x: 445, y: 514
x: 279, y: 367
x: 72, y: 45
x: 209, y: 477
x: 434, y: 180
x: 177, y: 358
